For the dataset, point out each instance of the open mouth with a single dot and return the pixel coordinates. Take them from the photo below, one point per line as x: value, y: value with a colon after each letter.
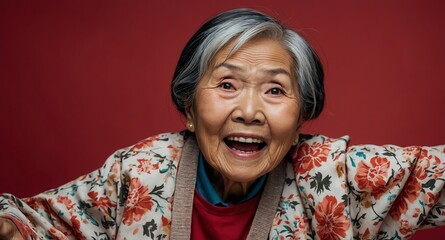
x: 242, y: 144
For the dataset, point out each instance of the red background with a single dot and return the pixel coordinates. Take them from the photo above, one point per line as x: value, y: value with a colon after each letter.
x: 80, y: 79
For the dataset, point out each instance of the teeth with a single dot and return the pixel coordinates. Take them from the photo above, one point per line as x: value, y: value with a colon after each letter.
x: 245, y: 140
x: 241, y: 150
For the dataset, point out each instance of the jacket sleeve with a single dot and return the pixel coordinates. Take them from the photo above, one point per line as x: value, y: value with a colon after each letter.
x: 87, y: 207
x: 365, y: 191
x: 130, y: 195
x: 393, y: 191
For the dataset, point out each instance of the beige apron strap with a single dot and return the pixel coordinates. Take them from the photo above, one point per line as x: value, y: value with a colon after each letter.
x: 267, y: 208
x: 184, y: 191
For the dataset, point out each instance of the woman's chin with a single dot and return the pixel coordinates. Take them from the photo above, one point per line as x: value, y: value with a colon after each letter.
x: 247, y: 176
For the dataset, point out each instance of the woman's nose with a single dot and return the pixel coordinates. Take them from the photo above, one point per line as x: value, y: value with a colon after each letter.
x: 249, y: 109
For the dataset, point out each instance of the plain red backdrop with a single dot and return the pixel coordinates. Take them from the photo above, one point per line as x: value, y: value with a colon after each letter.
x: 80, y: 79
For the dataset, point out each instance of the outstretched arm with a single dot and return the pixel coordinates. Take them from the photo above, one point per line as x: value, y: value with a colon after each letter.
x: 85, y: 207
x: 394, y: 191
x: 130, y: 195
x: 367, y: 191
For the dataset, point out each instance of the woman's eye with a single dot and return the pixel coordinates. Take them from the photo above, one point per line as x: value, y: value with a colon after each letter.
x: 226, y: 85
x: 276, y: 91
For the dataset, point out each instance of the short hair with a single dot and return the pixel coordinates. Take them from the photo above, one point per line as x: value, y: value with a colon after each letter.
x: 245, y: 25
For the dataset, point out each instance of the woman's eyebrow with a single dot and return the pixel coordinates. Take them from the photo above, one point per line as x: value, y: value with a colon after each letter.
x: 276, y: 71
x: 228, y: 66
x: 272, y: 71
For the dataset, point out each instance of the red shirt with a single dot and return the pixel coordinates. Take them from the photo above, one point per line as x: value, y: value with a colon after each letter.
x: 225, y: 223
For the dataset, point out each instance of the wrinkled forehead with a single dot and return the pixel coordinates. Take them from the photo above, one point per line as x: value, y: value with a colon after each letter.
x: 255, y: 49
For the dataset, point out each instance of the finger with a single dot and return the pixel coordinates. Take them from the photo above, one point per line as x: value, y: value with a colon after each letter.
x: 8, y: 230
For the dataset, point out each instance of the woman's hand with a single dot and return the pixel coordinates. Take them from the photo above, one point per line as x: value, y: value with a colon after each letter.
x: 8, y: 230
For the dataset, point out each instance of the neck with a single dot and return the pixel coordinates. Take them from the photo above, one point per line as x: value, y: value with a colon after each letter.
x: 229, y: 190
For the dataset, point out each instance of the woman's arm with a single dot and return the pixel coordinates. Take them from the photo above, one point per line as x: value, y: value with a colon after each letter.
x: 84, y: 208
x: 130, y: 195
x: 395, y: 190
x: 368, y: 191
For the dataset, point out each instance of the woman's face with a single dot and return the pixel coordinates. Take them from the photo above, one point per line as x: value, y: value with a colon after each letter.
x: 246, y: 111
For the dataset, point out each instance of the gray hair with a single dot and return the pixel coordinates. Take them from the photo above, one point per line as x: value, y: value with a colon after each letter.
x: 245, y: 25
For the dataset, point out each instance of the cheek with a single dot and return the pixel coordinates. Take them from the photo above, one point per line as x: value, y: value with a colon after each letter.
x: 211, y: 114
x: 209, y: 118
x: 283, y: 121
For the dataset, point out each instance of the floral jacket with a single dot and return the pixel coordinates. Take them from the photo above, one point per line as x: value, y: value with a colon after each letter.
x: 331, y: 191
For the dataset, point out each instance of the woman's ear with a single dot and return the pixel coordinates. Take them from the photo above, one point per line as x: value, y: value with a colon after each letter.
x: 190, y: 119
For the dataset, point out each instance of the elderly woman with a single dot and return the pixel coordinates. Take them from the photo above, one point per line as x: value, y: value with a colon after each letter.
x: 242, y: 170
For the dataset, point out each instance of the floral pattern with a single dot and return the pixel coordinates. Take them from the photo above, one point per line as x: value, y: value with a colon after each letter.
x: 138, y: 202
x: 332, y: 223
x: 331, y: 191
x: 311, y: 156
x: 374, y: 176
